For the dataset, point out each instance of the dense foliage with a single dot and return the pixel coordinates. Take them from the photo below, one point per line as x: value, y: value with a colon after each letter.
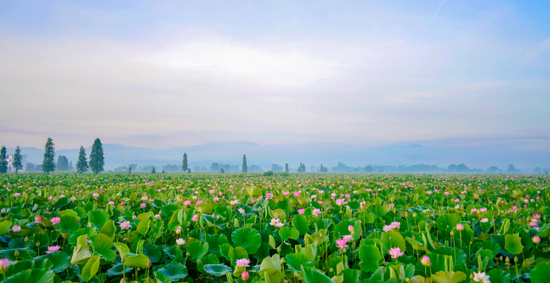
x: 311, y: 228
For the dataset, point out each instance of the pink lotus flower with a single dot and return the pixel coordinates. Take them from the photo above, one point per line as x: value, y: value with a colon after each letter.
x: 37, y: 219
x: 347, y: 238
x: 286, y: 193
x: 195, y: 218
x: 297, y: 194
x: 125, y: 225
x: 301, y: 211
x: 52, y: 249
x: 316, y: 212
x: 157, y: 216
x: 143, y: 205
x: 17, y: 195
x: 351, y: 229
x: 4, y: 264
x: 459, y: 227
x: 95, y: 195
x: 341, y: 243
x: 244, y: 275
x: 122, y: 204
x: 536, y: 239
x: 112, y: 203
x: 55, y: 220
x: 396, y: 253
x: 16, y: 228
x: 426, y: 261
x: 243, y: 262
x: 340, y: 201
x: 187, y: 202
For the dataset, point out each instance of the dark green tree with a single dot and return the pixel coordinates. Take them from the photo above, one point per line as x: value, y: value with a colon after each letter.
x: 96, y: 157
x: 286, y: 167
x: 153, y: 170
x: 48, y: 164
x: 62, y: 163
x: 245, y: 167
x: 185, y: 166
x: 82, y: 163
x: 17, y: 165
x: 3, y: 160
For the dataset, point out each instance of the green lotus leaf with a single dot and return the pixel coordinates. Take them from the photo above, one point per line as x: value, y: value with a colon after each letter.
x: 153, y: 252
x: 248, y: 238
x: 289, y: 232
x: 5, y: 227
x: 217, y: 269
x: 116, y: 270
x: 109, y: 228
x: 270, y: 265
x: 315, y: 276
x: 513, y: 244
x: 197, y: 249
x: 253, y: 192
x: 370, y: 258
x: 446, y: 222
x: 215, y: 241
x: 122, y: 249
x: 103, y: 246
x: 90, y: 269
x: 32, y: 276
x: 174, y: 271
x: 136, y: 260
x: 237, y: 253
x: 540, y: 273
x: 501, y: 276
x: 351, y: 275
x: 296, y: 261
x: 392, y: 239
x: 81, y: 254
x: 143, y: 226
x: 98, y: 217
x: 68, y: 224
x: 176, y: 220
x: 449, y: 277
x: 60, y: 261
x: 301, y: 223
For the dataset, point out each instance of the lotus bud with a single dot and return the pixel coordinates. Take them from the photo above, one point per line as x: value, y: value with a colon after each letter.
x: 26, y: 239
x: 16, y: 253
x: 149, y: 264
x: 415, y: 215
x: 122, y: 280
x: 38, y: 243
x: 244, y: 275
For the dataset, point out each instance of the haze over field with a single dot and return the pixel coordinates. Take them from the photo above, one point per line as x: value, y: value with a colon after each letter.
x: 307, y: 81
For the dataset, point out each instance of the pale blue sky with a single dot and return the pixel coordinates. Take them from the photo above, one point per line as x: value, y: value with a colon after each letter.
x: 161, y: 74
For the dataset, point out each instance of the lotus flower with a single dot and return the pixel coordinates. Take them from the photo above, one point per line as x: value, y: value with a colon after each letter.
x: 396, y: 253
x: 52, y: 249
x: 243, y: 262
x: 481, y: 277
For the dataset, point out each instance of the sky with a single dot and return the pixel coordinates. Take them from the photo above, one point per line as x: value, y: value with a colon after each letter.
x: 162, y: 74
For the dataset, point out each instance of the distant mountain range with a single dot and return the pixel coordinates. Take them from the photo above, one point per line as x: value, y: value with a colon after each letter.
x: 441, y: 153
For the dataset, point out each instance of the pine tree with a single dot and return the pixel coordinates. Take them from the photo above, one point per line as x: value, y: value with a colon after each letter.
x: 82, y: 164
x: 96, y: 157
x: 62, y: 163
x: 153, y: 171
x: 48, y: 165
x: 3, y: 160
x: 184, y: 167
x: 17, y: 165
x: 245, y: 168
x: 286, y: 167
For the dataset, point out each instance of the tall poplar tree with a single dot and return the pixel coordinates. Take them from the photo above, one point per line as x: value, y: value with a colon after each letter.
x: 96, y: 157
x: 286, y: 167
x: 3, y: 160
x: 245, y: 167
x: 17, y: 160
x: 48, y: 164
x: 82, y: 164
x: 185, y: 166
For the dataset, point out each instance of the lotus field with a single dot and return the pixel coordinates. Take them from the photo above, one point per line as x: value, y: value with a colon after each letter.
x: 312, y: 228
